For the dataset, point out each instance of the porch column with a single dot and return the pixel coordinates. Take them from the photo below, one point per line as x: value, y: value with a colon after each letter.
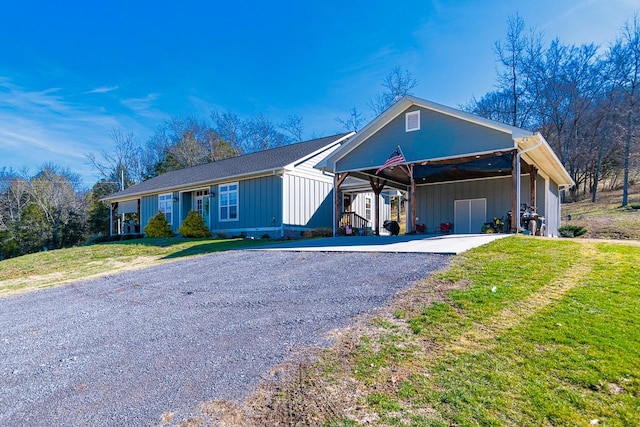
x: 377, y: 189
x: 338, y: 179
x: 533, y: 174
x: 413, y: 200
x: 515, y: 210
x: 110, y: 219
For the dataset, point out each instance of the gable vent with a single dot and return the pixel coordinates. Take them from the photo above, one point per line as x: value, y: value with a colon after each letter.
x: 412, y: 121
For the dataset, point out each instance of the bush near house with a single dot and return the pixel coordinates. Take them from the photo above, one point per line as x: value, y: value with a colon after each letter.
x: 571, y: 231
x: 158, y: 227
x: 194, y: 226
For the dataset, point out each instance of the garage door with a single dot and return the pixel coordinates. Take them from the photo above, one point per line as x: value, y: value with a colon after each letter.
x: 469, y: 215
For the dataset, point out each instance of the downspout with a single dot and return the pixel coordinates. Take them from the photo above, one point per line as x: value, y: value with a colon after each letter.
x: 518, y: 183
x: 335, y: 202
x: 282, y: 207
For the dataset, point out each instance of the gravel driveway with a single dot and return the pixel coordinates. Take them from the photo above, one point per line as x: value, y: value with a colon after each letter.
x: 123, y: 350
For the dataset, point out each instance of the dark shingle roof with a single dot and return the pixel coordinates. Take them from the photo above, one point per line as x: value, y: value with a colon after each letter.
x: 274, y: 158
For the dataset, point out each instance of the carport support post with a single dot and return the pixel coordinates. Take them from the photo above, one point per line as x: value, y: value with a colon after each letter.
x: 533, y: 174
x: 377, y: 189
x: 413, y: 200
x: 338, y: 179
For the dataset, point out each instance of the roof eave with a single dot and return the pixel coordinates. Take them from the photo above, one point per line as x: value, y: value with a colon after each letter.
x: 266, y: 172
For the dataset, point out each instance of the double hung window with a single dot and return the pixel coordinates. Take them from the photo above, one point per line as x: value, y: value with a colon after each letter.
x: 228, y: 203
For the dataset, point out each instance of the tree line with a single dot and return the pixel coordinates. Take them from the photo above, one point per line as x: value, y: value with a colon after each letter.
x: 582, y: 98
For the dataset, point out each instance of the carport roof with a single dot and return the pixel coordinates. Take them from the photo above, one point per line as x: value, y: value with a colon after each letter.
x: 468, y: 166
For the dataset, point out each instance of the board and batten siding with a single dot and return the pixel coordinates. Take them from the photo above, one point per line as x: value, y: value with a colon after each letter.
x: 435, y: 203
x: 149, y: 208
x: 552, y: 209
x: 308, y: 194
x: 308, y: 200
x: 259, y: 205
x: 440, y: 136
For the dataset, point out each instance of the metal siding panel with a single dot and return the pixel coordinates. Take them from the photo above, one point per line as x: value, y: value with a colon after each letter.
x: 439, y: 136
x: 148, y: 208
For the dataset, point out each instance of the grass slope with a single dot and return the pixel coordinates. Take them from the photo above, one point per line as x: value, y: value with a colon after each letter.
x: 606, y: 219
x: 522, y: 331
x: 51, y: 268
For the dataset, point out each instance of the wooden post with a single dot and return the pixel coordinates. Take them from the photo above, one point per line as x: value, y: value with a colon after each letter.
x: 377, y: 189
x: 515, y: 210
x: 413, y: 200
x: 338, y: 179
x: 533, y: 174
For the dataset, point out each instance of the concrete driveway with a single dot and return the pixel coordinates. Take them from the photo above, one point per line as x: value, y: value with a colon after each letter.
x: 450, y: 244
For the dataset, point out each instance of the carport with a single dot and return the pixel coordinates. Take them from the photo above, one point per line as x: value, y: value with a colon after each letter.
x: 458, y: 167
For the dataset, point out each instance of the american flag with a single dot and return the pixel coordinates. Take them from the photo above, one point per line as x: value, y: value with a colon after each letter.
x: 396, y: 158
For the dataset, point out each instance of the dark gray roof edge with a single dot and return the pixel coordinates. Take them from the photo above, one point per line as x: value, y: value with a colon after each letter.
x: 131, y: 193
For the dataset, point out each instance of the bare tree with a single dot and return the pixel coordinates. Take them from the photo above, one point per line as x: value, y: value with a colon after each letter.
x: 517, y: 56
x: 261, y: 134
x: 183, y: 142
x: 396, y: 84
x: 566, y: 86
x: 14, y: 197
x: 353, y: 122
x: 292, y: 125
x: 55, y: 192
x: 124, y: 161
x: 624, y: 55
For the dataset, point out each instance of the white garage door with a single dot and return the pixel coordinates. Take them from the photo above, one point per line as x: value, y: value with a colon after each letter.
x: 469, y: 215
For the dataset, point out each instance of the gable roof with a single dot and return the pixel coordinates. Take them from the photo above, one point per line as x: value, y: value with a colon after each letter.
x: 542, y: 153
x: 232, y: 168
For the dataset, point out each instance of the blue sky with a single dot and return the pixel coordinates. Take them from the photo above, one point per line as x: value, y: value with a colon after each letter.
x: 72, y: 71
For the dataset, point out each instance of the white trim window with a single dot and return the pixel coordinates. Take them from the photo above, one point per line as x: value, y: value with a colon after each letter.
x: 367, y: 208
x: 412, y: 121
x: 165, y: 205
x: 228, y: 202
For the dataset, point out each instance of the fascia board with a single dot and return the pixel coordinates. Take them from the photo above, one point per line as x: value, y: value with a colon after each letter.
x: 293, y: 164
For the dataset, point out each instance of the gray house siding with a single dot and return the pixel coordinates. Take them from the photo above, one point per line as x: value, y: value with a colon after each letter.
x: 259, y: 207
x: 553, y: 213
x: 149, y: 208
x: 435, y: 203
x: 312, y: 211
x: 440, y: 136
x: 308, y: 201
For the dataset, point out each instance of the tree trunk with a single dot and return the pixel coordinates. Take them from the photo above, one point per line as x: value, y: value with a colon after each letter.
x: 627, y: 149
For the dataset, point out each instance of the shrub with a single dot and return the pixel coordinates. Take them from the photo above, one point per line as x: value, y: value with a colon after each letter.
x: 158, y: 227
x: 194, y: 226
x: 221, y: 235
x: 571, y: 231
x: 319, y: 232
x: 266, y: 236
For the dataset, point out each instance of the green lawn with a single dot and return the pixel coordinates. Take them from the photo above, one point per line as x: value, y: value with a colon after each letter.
x: 531, y: 332
x: 51, y: 268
